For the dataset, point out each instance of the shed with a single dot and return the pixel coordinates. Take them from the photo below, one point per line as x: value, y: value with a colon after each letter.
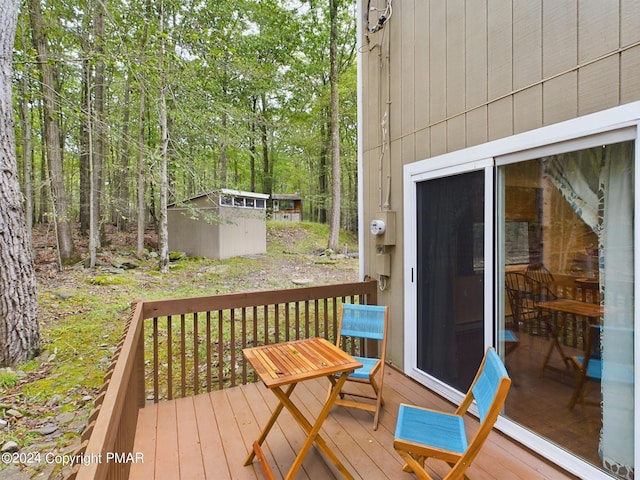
x: 222, y: 224
x: 287, y: 206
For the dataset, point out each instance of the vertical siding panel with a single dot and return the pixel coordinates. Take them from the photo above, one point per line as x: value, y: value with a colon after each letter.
x: 438, y: 59
x: 559, y: 37
x: 408, y: 45
x: 456, y: 135
x: 371, y: 72
x: 598, y: 28
x: 598, y: 85
x: 527, y: 109
x: 477, y: 128
x: 421, y: 63
x: 423, y: 146
x: 527, y: 42
x: 630, y: 73
x: 393, y: 61
x: 500, y: 58
x: 476, y: 53
x: 560, y: 98
x: 455, y: 57
x: 527, y: 64
x: 501, y: 118
x: 629, y: 22
x: 438, y: 137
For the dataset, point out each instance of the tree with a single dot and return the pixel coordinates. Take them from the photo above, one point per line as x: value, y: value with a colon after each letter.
x: 19, y: 331
x: 50, y: 95
x: 335, y: 126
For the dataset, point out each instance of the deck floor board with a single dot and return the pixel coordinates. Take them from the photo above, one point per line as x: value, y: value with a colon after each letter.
x: 209, y: 436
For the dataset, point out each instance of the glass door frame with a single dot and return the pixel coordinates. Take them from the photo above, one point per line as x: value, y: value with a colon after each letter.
x: 608, y: 126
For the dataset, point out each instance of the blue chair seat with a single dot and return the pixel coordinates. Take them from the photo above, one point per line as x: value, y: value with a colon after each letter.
x: 365, y: 370
x: 423, y: 433
x: 437, y: 429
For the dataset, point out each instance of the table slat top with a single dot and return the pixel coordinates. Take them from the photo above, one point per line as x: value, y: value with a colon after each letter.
x: 573, y: 306
x: 290, y: 362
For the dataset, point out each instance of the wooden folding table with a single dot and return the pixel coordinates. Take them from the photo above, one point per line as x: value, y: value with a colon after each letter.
x: 287, y: 364
x: 564, y: 305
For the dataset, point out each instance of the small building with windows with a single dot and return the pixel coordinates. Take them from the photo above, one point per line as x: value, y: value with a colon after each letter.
x: 222, y: 224
x: 286, y: 207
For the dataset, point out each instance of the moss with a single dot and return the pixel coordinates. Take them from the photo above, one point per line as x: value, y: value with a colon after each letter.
x: 109, y: 280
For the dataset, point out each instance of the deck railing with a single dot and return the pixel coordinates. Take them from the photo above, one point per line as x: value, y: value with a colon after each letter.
x: 181, y: 347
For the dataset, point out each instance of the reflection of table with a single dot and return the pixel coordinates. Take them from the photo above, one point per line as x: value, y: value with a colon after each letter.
x: 287, y: 364
x: 565, y: 305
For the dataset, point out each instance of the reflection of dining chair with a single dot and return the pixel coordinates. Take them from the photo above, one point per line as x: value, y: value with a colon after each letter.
x: 367, y: 322
x: 539, y: 273
x: 515, y: 286
x: 422, y: 433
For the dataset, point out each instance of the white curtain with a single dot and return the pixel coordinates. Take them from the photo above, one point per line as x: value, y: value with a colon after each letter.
x: 598, y: 184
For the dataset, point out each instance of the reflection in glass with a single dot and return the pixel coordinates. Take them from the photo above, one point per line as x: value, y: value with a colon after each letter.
x: 566, y: 244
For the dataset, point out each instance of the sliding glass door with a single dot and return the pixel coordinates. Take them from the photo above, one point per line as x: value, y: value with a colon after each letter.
x: 567, y: 253
x: 530, y: 247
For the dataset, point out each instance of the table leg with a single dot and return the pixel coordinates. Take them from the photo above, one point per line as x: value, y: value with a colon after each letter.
x: 312, y: 431
x: 270, y: 423
x: 555, y: 332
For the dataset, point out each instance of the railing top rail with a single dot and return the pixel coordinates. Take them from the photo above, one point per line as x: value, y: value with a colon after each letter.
x: 106, y: 427
x: 180, y: 306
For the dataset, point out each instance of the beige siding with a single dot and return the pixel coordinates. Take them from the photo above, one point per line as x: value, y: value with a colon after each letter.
x: 458, y: 73
x: 407, y: 82
x: 598, y: 85
x: 560, y: 98
x: 476, y: 53
x: 630, y: 75
x: 421, y: 67
x: 455, y: 71
x: 598, y: 28
x: 527, y: 109
x: 437, y: 61
x: 500, y: 44
x: 527, y: 43
x: 560, y: 37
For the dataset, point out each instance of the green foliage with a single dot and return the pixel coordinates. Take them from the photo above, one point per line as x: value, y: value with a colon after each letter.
x: 248, y: 96
x: 8, y: 379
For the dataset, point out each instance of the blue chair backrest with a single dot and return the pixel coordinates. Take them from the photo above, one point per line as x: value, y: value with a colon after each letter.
x: 364, y: 321
x: 486, y: 387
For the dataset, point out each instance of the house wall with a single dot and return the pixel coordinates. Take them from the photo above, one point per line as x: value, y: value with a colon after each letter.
x: 445, y: 75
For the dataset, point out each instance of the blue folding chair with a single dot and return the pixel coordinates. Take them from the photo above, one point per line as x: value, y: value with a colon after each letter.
x: 422, y: 433
x: 367, y: 322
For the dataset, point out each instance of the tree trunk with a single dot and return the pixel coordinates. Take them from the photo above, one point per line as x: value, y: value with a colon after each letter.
x: 85, y: 146
x: 122, y: 210
x: 163, y: 237
x: 267, y: 181
x: 66, y: 248
x: 335, y: 128
x: 27, y: 147
x: 96, y: 158
x: 19, y: 331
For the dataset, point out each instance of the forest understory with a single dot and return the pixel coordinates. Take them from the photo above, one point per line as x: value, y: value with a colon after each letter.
x: 44, y: 403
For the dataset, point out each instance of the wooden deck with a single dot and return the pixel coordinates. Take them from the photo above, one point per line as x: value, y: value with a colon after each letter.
x: 209, y: 435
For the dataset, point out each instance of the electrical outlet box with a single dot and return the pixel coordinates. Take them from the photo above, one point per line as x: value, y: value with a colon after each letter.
x: 388, y: 218
x: 383, y: 264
